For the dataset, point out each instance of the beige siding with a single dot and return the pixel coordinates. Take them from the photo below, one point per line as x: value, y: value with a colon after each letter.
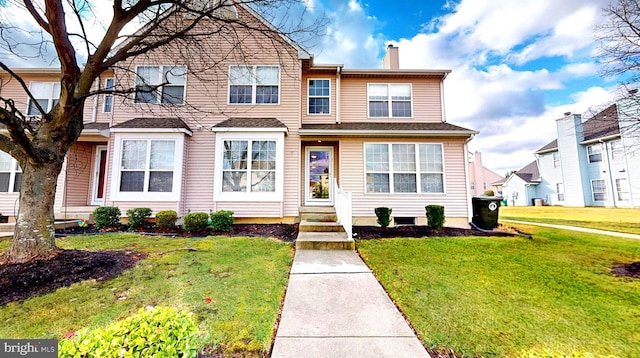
x: 79, y: 169
x: 9, y: 203
x: 252, y: 209
x: 155, y: 206
x: 426, y: 99
x: 352, y: 178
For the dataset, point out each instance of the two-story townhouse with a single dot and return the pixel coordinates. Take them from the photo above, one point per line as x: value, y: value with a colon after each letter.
x: 589, y: 164
x: 264, y: 132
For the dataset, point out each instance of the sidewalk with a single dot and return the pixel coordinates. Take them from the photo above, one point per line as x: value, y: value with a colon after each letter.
x: 576, y: 228
x: 334, y: 307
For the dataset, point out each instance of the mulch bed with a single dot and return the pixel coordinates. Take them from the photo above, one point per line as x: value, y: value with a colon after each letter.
x: 376, y: 232
x: 627, y: 270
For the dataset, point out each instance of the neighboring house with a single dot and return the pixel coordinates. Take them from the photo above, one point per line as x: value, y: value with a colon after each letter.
x: 481, y: 178
x: 592, y: 163
x: 519, y: 189
x: 272, y: 133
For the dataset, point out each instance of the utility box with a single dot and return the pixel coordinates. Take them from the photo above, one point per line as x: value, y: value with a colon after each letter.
x: 485, y: 211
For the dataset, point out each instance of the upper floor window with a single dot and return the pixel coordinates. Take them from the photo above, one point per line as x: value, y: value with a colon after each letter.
x: 617, y: 150
x: 556, y: 159
x: 319, y: 96
x: 46, y: 94
x: 254, y: 84
x: 160, y: 84
x: 10, y: 174
x: 389, y: 100
x: 108, y: 98
x: 594, y: 152
x: 404, y: 168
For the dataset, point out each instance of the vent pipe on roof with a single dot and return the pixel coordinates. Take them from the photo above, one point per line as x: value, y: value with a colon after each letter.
x: 391, y: 58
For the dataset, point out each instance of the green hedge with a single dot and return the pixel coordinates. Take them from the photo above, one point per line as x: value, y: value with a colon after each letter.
x: 222, y: 220
x: 196, y: 221
x: 166, y: 219
x: 435, y: 216
x: 106, y: 217
x: 138, y: 217
x: 384, y: 216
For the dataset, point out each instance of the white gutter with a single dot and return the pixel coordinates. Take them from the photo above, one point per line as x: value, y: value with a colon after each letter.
x: 408, y: 133
x: 600, y: 140
x: 94, y: 109
x: 248, y: 129
x: 151, y: 130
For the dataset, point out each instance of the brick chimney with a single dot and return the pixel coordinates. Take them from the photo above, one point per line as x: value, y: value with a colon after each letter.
x: 390, y: 60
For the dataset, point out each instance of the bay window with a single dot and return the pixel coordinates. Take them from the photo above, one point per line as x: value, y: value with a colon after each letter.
x: 404, y: 168
x: 160, y: 84
x: 254, y: 84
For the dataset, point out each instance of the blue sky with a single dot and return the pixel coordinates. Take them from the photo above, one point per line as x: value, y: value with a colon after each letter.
x: 517, y: 66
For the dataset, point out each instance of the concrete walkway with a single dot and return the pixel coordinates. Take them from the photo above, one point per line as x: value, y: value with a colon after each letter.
x: 576, y: 228
x: 334, y: 307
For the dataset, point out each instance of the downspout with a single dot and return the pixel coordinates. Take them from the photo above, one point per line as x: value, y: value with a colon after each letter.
x: 444, y: 113
x: 338, y: 94
x: 609, y: 174
x: 466, y: 178
x: 94, y: 109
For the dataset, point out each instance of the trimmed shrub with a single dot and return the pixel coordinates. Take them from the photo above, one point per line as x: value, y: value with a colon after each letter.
x: 138, y: 217
x: 107, y: 217
x: 435, y: 216
x: 166, y: 219
x: 489, y: 193
x: 384, y: 216
x: 196, y: 221
x: 222, y: 220
x: 157, y: 332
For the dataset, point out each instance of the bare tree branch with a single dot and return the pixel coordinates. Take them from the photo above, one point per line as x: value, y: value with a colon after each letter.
x: 36, y: 15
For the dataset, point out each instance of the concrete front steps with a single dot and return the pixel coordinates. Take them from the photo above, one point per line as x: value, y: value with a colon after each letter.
x: 319, y: 230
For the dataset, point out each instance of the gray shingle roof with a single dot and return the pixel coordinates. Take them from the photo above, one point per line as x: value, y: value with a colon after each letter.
x: 153, y: 123
x: 251, y: 123
x: 407, y: 126
x: 553, y: 146
x: 529, y: 173
x: 603, y: 124
x: 98, y: 126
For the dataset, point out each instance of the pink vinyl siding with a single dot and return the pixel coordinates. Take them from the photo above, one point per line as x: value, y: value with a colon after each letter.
x: 79, y: 170
x: 352, y: 179
x: 426, y: 101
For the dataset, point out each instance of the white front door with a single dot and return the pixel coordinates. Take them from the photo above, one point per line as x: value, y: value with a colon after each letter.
x: 99, y: 175
x: 319, y: 176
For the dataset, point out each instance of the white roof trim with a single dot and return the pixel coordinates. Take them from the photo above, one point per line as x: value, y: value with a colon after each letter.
x: 101, y: 132
x: 387, y: 133
x: 152, y: 130
x: 596, y: 140
x: 249, y: 129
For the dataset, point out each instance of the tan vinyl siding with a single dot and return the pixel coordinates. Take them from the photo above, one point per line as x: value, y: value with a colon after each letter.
x: 426, y: 100
x: 79, y: 169
x: 252, y: 209
x: 9, y: 203
x: 155, y: 206
x: 352, y: 178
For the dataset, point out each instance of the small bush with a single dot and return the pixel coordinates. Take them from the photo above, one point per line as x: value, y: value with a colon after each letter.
x: 196, y: 221
x: 222, y: 220
x: 384, y: 216
x: 138, y: 217
x: 158, y: 332
x: 106, y: 217
x: 166, y: 219
x: 435, y: 216
x: 489, y: 193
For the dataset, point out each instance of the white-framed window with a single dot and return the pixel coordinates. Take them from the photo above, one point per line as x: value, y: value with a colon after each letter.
x: 560, y: 191
x: 254, y: 84
x: 148, y: 166
x: 617, y: 150
x: 622, y: 189
x: 249, y: 166
x: 108, y: 97
x: 599, y: 190
x: 404, y: 168
x: 169, y: 80
x: 10, y: 174
x: 594, y: 153
x: 556, y: 159
x: 390, y: 100
x: 319, y: 96
x: 46, y: 94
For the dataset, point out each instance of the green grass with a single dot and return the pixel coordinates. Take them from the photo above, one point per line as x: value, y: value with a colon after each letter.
x: 244, y: 277
x: 612, y: 219
x: 506, y: 296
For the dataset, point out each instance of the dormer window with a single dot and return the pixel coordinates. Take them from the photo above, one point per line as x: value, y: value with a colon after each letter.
x: 46, y: 94
x: 160, y: 84
x: 389, y: 100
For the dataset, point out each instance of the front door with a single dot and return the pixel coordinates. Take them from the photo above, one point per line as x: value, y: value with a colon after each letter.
x: 319, y: 176
x: 99, y: 175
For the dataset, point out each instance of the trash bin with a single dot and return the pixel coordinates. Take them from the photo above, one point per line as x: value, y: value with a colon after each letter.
x: 485, y: 211
x: 538, y: 202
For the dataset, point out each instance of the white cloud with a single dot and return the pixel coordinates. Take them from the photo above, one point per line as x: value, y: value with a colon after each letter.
x: 354, y: 5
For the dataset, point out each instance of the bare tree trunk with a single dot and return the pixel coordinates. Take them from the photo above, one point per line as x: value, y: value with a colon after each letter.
x: 34, y: 235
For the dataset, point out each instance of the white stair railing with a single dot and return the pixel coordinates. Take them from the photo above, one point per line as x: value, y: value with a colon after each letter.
x: 343, y: 208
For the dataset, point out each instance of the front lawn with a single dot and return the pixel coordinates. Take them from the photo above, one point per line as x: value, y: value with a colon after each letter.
x: 612, y: 219
x: 234, y: 287
x: 507, y: 296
